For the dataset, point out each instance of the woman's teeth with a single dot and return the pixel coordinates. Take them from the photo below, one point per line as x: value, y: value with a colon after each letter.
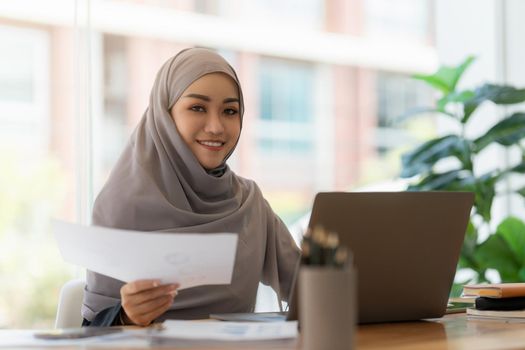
x: 211, y: 143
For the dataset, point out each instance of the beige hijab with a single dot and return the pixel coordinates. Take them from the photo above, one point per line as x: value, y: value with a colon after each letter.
x: 159, y: 185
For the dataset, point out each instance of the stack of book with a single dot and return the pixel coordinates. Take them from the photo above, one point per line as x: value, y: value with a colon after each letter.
x: 500, y: 301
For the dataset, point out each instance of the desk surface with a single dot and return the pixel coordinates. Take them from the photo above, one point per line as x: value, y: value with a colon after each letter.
x: 450, y: 332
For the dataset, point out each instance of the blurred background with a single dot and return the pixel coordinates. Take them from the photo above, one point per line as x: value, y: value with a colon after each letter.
x: 325, y: 84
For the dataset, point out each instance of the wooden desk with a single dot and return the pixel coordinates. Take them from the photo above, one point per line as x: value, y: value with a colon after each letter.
x: 451, y: 332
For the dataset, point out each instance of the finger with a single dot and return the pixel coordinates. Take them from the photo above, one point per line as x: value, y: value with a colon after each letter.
x: 151, y: 294
x: 139, y: 286
x: 143, y: 308
x: 152, y: 315
x: 148, y: 306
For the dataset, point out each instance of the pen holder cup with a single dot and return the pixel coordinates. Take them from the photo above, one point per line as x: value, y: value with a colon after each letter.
x: 327, y: 307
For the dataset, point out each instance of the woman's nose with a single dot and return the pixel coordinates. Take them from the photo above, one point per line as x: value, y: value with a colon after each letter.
x: 214, y: 124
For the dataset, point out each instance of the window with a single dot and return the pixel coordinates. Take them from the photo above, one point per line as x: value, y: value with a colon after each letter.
x: 396, y: 95
x: 24, y: 96
x: 401, y: 19
x: 301, y: 13
x: 111, y: 136
x: 286, y: 107
x: 36, y: 177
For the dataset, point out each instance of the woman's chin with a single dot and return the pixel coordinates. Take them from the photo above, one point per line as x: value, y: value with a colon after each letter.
x: 210, y: 165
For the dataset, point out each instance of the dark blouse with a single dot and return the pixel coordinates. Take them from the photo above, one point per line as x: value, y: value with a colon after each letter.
x: 105, y: 318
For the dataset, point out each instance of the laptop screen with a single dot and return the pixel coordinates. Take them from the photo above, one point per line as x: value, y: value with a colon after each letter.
x: 405, y: 246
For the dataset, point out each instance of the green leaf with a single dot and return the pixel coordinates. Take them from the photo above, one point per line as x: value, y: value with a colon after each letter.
x: 426, y: 155
x: 463, y: 180
x: 471, y: 238
x: 499, y: 94
x: 456, y: 290
x: 521, y: 274
x: 434, y: 181
x: 495, y: 253
x: 466, y: 262
x: 512, y: 230
x: 507, y: 132
x: 520, y: 168
x: 470, y: 243
x: 502, y: 94
x: 521, y: 191
x: 454, y: 97
x: 453, y: 180
x: 435, y: 81
x: 484, y: 193
x: 446, y: 78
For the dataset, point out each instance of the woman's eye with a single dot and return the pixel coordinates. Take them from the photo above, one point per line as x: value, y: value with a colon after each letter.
x: 198, y: 109
x: 230, y: 111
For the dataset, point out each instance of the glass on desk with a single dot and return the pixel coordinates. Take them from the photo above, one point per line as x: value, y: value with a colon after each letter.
x: 327, y: 307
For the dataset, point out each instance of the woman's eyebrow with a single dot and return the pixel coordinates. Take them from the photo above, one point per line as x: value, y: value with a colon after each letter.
x: 208, y: 99
x: 230, y: 99
x: 201, y: 97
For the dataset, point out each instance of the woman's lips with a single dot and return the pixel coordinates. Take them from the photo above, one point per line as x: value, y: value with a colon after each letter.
x: 212, y: 145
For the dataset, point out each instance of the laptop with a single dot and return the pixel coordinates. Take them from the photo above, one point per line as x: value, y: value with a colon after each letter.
x: 291, y: 314
x: 405, y: 247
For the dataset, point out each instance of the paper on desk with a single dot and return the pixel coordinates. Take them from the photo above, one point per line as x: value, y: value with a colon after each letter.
x: 229, y: 331
x: 188, y: 259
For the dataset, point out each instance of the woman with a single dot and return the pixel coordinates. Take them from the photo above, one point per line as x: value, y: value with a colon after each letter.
x: 173, y: 177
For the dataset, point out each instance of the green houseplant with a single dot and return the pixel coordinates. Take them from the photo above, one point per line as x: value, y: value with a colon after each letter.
x: 504, y: 247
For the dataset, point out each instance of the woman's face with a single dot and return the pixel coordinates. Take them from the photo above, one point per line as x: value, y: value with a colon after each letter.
x: 207, y: 117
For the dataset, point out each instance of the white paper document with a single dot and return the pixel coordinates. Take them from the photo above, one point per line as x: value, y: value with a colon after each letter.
x: 189, y: 259
x: 228, y: 331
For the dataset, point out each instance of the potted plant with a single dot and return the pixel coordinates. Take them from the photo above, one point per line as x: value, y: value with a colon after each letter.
x: 504, y: 247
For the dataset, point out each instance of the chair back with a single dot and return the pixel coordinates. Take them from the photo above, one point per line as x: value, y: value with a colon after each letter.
x: 69, y: 303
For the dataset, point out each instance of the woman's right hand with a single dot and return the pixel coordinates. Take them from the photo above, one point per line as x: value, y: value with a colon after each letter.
x: 145, y: 300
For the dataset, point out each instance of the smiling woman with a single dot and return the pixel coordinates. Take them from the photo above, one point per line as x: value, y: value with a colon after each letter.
x: 173, y: 177
x: 207, y: 118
